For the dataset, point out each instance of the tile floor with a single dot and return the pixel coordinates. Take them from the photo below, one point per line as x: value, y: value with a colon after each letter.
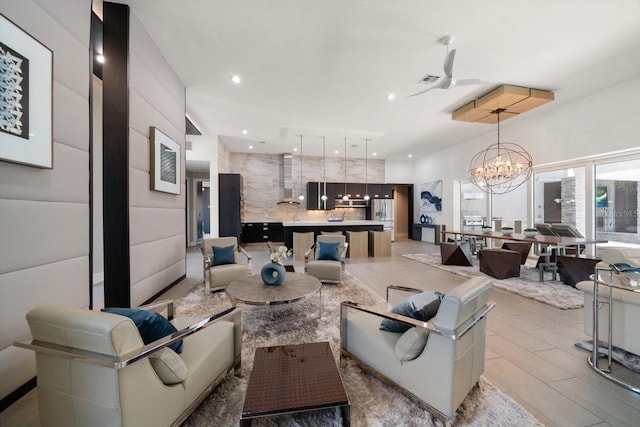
x: 530, y: 346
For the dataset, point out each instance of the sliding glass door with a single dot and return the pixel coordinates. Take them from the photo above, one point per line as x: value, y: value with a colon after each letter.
x: 560, y: 197
x: 617, y: 196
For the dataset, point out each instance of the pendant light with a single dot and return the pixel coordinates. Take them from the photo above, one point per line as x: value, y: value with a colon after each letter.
x: 502, y: 167
x: 366, y: 170
x: 301, y: 196
x: 346, y: 196
x: 324, y: 172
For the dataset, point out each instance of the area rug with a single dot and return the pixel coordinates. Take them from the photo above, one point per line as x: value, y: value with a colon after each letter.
x: 372, y: 402
x: 628, y: 360
x: 527, y: 285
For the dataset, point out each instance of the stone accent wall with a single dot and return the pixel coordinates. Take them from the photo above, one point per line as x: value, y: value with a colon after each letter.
x: 262, y: 179
x: 573, y: 202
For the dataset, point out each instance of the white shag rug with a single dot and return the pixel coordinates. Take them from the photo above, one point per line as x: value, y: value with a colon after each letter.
x: 372, y: 402
x: 527, y: 285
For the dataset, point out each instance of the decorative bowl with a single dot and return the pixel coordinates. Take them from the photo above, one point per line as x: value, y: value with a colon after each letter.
x: 487, y: 230
x: 530, y: 233
x: 506, y: 232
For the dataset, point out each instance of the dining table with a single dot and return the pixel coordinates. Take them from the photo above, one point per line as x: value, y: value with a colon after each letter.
x: 539, y: 240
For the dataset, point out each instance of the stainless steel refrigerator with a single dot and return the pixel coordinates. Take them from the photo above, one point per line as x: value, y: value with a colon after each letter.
x: 383, y: 211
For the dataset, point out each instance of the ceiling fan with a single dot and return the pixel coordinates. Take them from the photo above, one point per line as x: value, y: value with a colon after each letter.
x: 448, y: 81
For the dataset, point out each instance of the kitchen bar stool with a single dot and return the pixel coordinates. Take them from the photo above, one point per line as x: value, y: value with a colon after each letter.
x: 379, y: 243
x: 301, y: 243
x: 358, y: 244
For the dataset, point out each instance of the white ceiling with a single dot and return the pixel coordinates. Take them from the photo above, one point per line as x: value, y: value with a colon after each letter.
x: 326, y: 67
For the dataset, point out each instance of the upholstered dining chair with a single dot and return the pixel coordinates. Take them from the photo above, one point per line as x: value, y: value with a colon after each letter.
x: 325, y: 259
x: 221, y: 264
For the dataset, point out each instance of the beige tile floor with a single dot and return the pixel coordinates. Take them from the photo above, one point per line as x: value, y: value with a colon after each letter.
x: 530, y: 346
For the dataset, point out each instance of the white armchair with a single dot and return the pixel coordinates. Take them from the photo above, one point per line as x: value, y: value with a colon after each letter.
x: 626, y: 305
x: 326, y: 270
x: 94, y: 369
x: 217, y: 277
x: 444, y: 365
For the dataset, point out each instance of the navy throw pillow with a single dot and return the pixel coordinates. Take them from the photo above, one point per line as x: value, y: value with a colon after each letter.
x: 329, y: 251
x: 422, y: 306
x: 151, y: 325
x: 224, y: 255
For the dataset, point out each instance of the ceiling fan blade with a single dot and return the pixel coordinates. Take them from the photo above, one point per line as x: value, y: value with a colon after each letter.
x: 422, y: 91
x: 469, y: 82
x: 442, y: 84
x: 448, y: 63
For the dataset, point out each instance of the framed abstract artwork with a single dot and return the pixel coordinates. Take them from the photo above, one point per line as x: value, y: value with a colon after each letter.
x: 26, y: 98
x: 165, y: 162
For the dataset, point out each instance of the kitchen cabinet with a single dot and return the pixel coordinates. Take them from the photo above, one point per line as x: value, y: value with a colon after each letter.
x: 381, y: 191
x: 260, y: 232
x: 230, y: 203
x: 314, y: 192
x: 355, y: 190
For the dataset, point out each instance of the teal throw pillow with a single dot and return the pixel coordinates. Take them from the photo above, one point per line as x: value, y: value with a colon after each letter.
x: 224, y: 255
x: 151, y: 325
x: 329, y: 251
x: 422, y: 306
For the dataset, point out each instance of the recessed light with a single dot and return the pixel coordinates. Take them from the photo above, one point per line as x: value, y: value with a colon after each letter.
x: 244, y: 131
x: 251, y: 147
x: 235, y: 78
x: 391, y: 96
x: 410, y: 155
x: 374, y: 154
x: 295, y: 148
x: 336, y: 152
x: 100, y: 58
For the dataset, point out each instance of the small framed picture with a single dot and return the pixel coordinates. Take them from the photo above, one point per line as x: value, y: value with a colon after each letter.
x: 26, y: 98
x: 165, y: 162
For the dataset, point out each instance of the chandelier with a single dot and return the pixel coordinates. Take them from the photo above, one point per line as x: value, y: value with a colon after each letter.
x: 502, y: 167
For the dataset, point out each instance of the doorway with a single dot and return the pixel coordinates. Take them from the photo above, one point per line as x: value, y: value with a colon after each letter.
x: 402, y: 211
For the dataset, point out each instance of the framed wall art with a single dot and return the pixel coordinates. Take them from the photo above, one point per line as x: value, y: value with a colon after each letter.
x: 165, y: 162
x: 430, y: 202
x: 26, y: 98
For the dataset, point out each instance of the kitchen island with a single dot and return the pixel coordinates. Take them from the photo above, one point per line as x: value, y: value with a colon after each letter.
x: 318, y: 226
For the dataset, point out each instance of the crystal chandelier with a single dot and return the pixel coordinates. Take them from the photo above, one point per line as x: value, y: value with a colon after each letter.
x: 502, y: 167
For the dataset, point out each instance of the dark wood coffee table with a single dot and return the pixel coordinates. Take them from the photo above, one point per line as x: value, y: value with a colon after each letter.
x: 294, y: 378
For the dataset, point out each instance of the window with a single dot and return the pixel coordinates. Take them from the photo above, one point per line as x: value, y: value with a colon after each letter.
x: 617, y: 196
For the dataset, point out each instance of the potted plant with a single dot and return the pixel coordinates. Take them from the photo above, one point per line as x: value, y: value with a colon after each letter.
x: 530, y: 232
x: 507, y: 231
x: 487, y: 229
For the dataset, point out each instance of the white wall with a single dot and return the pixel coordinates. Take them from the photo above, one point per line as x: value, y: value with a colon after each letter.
x: 603, y: 122
x: 44, y: 213
x: 156, y: 219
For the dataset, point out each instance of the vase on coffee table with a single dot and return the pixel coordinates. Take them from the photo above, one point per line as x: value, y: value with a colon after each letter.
x: 273, y: 274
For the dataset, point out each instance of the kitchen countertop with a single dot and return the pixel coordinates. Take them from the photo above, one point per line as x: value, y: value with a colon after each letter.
x: 330, y: 223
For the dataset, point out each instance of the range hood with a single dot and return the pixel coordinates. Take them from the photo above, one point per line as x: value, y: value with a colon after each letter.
x: 286, y: 181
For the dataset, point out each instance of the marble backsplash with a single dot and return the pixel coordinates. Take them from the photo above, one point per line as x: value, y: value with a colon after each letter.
x: 263, y: 184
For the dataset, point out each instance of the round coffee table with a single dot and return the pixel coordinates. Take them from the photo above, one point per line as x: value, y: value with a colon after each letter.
x: 252, y: 290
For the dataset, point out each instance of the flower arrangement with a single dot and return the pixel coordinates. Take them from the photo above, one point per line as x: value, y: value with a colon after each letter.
x: 485, y: 227
x: 507, y: 228
x: 279, y: 253
x: 530, y: 230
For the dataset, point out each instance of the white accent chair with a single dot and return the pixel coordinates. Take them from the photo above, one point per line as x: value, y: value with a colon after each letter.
x: 217, y: 277
x: 94, y: 369
x: 446, y: 368
x: 326, y: 270
x: 626, y: 305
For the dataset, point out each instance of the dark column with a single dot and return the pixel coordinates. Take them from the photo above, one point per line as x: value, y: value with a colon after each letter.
x: 115, y: 80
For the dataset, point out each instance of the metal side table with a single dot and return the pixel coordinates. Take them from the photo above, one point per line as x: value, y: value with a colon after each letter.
x: 622, y: 281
